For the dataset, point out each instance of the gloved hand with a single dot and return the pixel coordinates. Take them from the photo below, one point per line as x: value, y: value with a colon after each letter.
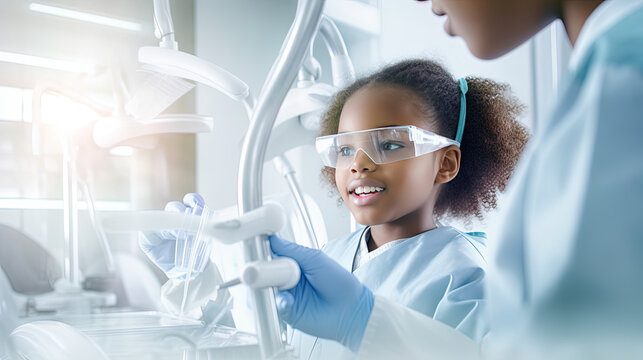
x: 328, y: 301
x: 160, y: 246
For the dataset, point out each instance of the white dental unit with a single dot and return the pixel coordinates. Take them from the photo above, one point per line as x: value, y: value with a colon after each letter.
x: 133, y: 120
x: 264, y: 73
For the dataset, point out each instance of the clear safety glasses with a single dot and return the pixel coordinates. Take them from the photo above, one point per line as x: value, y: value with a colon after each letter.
x: 382, y: 145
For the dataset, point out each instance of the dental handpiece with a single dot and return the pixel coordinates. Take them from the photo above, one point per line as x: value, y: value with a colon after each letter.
x: 227, y: 284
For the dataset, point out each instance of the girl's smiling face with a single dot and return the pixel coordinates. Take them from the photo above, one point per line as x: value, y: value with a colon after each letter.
x: 403, y: 188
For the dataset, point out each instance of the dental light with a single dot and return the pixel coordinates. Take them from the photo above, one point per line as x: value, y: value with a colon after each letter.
x: 167, y: 59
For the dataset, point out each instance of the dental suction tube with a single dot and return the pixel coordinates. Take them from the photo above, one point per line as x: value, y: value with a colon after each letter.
x: 343, y: 71
x: 341, y: 64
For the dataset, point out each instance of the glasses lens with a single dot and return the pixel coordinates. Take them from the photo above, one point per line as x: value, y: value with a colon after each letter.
x: 393, y: 145
x: 382, y: 146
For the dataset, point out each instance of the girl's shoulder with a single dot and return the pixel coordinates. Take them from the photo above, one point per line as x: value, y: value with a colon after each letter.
x: 473, y: 243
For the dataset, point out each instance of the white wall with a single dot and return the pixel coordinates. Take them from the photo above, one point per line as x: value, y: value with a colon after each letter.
x: 243, y: 37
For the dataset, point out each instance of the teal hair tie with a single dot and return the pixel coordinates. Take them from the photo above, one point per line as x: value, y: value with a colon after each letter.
x: 463, y: 109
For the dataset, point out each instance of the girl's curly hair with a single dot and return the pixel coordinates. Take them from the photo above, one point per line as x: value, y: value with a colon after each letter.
x: 493, y: 138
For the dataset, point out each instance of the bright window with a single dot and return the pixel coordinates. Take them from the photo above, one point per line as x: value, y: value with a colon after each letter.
x: 11, y: 104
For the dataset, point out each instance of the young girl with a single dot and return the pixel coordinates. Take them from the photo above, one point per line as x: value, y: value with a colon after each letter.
x: 405, y: 147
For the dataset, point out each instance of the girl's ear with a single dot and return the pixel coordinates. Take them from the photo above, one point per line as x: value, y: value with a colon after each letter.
x: 449, y: 165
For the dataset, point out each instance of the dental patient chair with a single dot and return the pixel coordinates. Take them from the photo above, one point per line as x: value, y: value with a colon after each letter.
x: 8, y: 313
x: 30, y: 269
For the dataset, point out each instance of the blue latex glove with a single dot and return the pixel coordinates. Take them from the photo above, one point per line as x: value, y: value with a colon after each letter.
x: 328, y: 301
x: 160, y: 246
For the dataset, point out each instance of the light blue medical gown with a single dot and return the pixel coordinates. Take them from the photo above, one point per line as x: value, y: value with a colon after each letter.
x: 440, y: 273
x: 569, y: 261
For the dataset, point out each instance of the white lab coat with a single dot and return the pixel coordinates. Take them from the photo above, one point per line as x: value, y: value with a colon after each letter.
x: 566, y: 276
x: 397, y: 332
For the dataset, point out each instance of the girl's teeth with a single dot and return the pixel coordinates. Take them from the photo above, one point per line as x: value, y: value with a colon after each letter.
x: 367, y: 190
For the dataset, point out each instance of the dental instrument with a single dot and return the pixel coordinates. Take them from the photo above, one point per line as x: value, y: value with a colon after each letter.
x: 195, y: 249
x: 227, y: 284
x: 187, y: 244
x: 284, y: 167
x: 98, y: 228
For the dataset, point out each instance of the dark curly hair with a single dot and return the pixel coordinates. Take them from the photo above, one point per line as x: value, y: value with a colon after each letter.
x: 493, y: 138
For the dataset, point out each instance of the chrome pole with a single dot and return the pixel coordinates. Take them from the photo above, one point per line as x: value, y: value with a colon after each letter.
x: 285, y: 168
x: 70, y: 214
x: 277, y: 84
